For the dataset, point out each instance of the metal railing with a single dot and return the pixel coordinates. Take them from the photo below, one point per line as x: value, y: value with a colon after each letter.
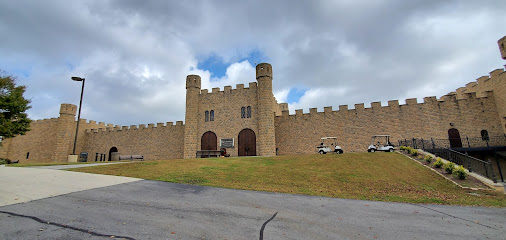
x: 472, y: 142
x: 473, y: 164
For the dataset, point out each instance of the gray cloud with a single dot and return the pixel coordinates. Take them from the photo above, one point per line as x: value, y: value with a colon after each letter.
x: 135, y: 55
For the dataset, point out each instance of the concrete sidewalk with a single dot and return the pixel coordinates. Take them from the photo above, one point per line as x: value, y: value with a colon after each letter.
x: 21, y: 184
x: 79, y: 165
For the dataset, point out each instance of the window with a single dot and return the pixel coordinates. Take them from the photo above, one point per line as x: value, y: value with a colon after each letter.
x: 209, y: 116
x: 246, y: 112
x: 484, y: 135
x: 27, y: 155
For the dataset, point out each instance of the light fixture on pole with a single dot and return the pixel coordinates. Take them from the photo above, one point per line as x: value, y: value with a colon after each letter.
x: 78, y: 79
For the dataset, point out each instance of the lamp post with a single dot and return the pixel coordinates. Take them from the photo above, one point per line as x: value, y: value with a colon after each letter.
x: 78, y: 79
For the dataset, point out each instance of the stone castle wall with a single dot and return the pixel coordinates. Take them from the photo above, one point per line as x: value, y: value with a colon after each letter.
x: 52, y: 140
x: 469, y: 109
x: 495, y: 82
x: 227, y: 106
x: 480, y: 105
x: 38, y: 143
x: 49, y: 140
x: 300, y: 133
x: 160, y: 141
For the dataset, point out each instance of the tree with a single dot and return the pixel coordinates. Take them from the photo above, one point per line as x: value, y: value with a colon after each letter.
x: 13, y: 119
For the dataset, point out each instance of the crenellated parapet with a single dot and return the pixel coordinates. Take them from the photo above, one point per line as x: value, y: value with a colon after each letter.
x: 94, y: 124
x: 140, y: 127
x: 43, y: 121
x: 447, y: 101
x: 84, y: 122
x: 483, y: 84
x: 229, y: 90
x: 502, y: 47
x: 354, y: 125
x: 496, y: 82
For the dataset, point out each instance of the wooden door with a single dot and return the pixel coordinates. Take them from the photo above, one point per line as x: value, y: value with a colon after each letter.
x: 247, y: 143
x: 454, y: 137
x: 209, y: 141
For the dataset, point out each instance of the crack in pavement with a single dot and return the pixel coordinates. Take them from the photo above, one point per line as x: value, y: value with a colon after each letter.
x: 171, y: 208
x: 454, y: 216
x: 66, y: 226
x: 265, y: 223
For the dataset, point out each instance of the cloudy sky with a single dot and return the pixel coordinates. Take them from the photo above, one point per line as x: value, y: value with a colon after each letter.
x: 135, y: 55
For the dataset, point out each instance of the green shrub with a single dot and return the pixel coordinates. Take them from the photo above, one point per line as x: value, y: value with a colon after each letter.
x: 403, y: 148
x: 460, y: 172
x: 428, y: 158
x: 4, y: 161
x: 449, y: 167
x: 438, y: 163
x: 414, y: 152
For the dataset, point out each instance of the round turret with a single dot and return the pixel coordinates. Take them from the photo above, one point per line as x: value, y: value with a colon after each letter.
x: 191, y: 116
x: 264, y: 70
x: 193, y: 81
x: 68, y: 109
x: 502, y: 47
x: 266, y: 137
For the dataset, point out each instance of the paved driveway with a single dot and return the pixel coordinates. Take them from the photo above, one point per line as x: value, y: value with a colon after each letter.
x: 21, y: 184
x: 160, y: 210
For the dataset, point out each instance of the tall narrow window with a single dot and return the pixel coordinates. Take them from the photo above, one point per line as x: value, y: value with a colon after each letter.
x: 249, y: 112
x: 27, y: 155
x: 207, y: 116
x: 243, y: 112
x: 211, y: 117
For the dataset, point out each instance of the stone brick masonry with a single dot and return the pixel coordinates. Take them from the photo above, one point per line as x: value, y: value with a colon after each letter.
x: 480, y: 105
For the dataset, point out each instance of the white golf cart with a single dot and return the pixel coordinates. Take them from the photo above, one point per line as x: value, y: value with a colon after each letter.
x: 377, y: 144
x: 324, y: 148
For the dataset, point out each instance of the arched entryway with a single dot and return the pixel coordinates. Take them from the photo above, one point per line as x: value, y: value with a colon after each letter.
x: 247, y: 143
x: 454, y: 137
x: 209, y: 141
x: 112, y: 150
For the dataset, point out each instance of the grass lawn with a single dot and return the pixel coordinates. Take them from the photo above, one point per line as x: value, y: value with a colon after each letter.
x: 371, y: 176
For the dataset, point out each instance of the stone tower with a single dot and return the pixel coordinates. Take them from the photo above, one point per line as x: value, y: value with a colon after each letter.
x: 502, y: 47
x: 500, y: 87
x: 191, y: 116
x: 266, y: 140
x: 65, y: 131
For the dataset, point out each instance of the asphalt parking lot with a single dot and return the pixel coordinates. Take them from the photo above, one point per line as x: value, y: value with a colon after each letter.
x: 141, y: 209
